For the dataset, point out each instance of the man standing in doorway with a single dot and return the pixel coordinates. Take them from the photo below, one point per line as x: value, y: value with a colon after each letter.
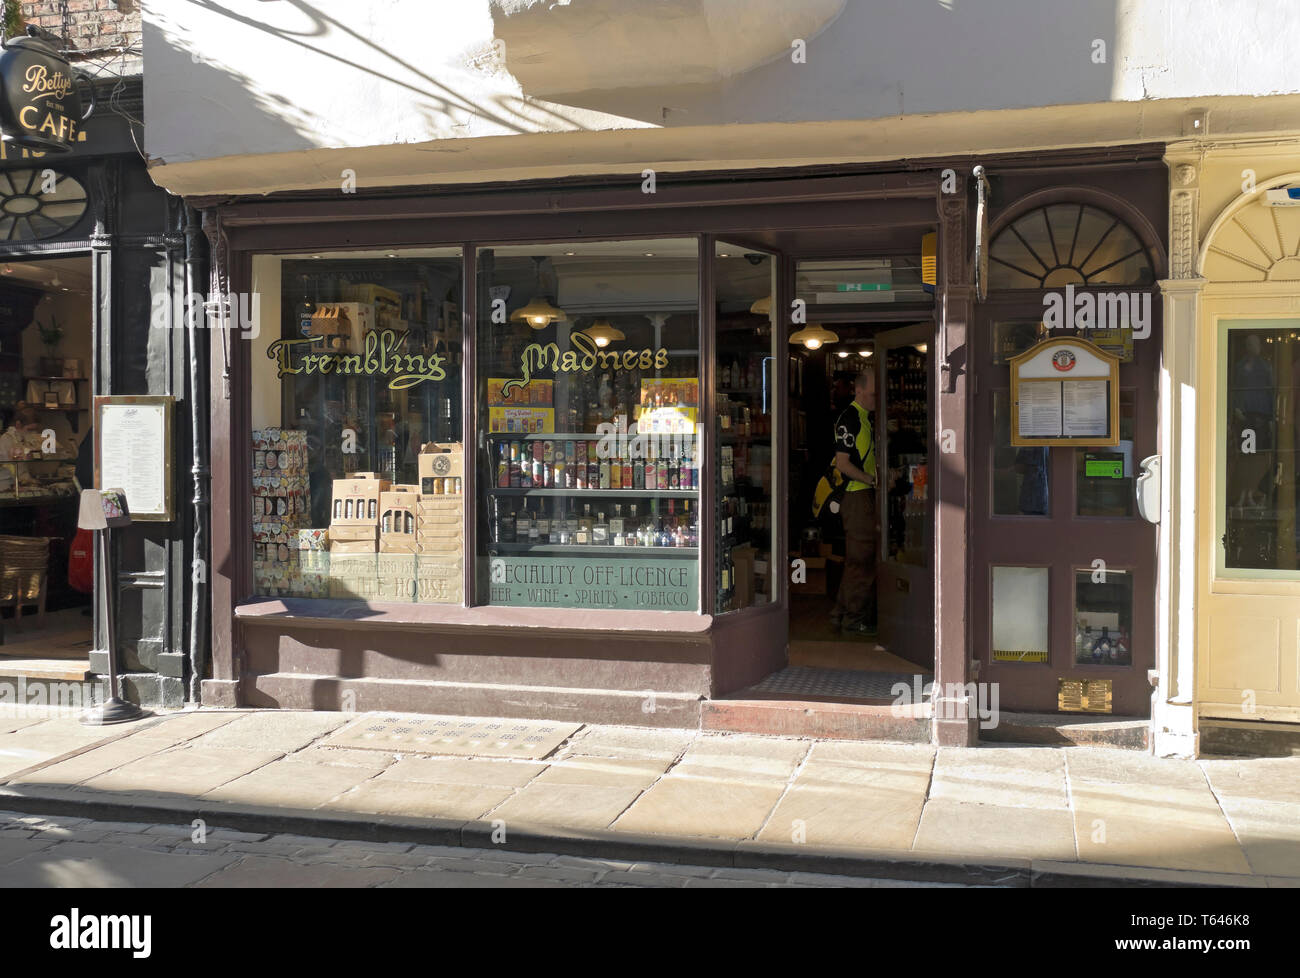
x: 855, y: 457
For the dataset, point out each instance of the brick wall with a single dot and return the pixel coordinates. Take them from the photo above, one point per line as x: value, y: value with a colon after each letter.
x: 96, y: 25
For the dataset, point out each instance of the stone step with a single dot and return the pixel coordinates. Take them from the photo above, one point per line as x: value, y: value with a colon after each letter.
x: 640, y: 708
x: 1070, y: 730
x: 815, y: 718
x: 1249, y: 738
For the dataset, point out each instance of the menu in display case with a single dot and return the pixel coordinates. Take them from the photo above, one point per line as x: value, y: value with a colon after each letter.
x: 1065, y: 392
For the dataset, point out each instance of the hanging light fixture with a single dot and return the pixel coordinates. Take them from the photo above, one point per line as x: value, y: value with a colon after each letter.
x: 814, y: 336
x: 762, y: 307
x: 604, y: 333
x: 539, y: 313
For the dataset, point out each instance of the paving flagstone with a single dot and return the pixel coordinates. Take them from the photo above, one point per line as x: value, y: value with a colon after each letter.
x: 1072, y: 806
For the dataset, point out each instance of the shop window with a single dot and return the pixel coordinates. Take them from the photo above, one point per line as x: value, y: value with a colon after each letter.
x: 1104, y: 476
x: 1021, y: 475
x: 357, y: 450
x: 745, y: 385
x: 1259, y: 486
x: 37, y: 204
x: 1067, y: 244
x: 1103, y: 617
x: 1020, y: 614
x: 588, y: 399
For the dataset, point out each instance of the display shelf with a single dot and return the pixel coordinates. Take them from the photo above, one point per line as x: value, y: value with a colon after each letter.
x: 623, y: 493
x: 553, y: 436
x: 594, y: 549
x: 50, y: 377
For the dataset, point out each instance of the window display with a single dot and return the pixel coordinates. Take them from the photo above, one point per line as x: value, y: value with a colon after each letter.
x: 1103, y: 617
x: 358, y: 474
x: 908, y: 432
x: 589, y: 396
x: 1259, y: 472
x: 744, y: 431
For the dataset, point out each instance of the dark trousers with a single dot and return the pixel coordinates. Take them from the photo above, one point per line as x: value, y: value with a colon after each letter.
x: 856, y: 602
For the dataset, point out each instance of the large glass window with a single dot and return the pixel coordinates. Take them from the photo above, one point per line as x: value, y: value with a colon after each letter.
x: 357, y: 467
x: 588, y: 396
x: 744, y: 281
x: 1260, y: 505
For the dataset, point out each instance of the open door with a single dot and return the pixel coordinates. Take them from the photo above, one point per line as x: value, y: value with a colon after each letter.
x: 905, y: 575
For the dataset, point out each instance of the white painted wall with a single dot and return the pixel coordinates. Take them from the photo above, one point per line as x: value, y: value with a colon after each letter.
x: 452, y: 76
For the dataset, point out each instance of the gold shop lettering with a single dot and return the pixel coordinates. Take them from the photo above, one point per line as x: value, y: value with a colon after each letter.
x: 586, y: 357
x: 382, y: 357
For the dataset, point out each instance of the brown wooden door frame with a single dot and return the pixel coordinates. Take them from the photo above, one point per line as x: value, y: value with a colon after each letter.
x: 1060, y: 541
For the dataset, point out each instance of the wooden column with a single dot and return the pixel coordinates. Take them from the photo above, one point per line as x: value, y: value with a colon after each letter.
x: 955, y: 717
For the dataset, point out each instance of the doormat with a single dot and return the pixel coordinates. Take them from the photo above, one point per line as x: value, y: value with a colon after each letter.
x: 849, y: 684
x: 421, y: 734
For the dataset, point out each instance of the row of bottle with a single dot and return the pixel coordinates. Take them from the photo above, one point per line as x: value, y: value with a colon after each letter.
x: 739, y: 372
x: 630, y: 529
x: 736, y: 418
x: 563, y: 464
x: 739, y: 517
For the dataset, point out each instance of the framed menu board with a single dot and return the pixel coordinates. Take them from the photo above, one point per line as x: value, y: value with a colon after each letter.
x: 133, y: 451
x: 1065, y: 392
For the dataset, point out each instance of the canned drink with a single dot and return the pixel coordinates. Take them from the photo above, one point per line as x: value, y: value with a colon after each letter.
x: 548, y: 451
x: 371, y: 512
x: 538, y: 448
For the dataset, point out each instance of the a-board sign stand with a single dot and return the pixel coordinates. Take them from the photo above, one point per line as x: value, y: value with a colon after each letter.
x: 101, y: 511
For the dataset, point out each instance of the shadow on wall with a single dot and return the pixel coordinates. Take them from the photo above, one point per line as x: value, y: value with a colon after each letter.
x: 872, y: 59
x: 246, y: 115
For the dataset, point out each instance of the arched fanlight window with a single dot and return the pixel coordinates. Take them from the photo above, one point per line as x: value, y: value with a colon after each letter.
x: 28, y: 212
x: 1067, y: 244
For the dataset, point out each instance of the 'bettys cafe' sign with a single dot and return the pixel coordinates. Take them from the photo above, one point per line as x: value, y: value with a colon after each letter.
x: 41, y: 107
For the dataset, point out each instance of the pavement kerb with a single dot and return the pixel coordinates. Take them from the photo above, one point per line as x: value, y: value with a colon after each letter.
x: 478, y: 834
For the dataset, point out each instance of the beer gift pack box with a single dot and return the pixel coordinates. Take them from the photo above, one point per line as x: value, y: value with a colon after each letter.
x: 398, y: 519
x: 355, y: 501
x: 440, y: 509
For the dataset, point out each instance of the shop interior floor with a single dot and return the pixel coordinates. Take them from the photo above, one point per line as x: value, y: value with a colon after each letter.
x: 419, y: 734
x: 853, y: 654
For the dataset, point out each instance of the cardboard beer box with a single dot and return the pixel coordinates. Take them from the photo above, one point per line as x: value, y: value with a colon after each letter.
x: 398, y: 519
x: 348, y: 539
x: 441, y: 462
x: 355, y: 501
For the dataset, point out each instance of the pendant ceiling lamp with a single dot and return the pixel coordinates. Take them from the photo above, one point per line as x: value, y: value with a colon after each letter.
x: 763, y: 306
x: 539, y: 313
x: 814, y: 336
x: 604, y: 333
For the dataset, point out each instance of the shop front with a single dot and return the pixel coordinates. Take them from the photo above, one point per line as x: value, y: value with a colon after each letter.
x: 86, y: 244
x: 547, y: 451
x: 1246, y: 314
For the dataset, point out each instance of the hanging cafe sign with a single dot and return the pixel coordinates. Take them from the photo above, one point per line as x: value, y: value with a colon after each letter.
x: 40, y: 108
x: 381, y: 356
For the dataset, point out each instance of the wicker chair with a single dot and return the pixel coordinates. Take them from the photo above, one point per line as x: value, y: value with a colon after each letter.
x: 24, y: 574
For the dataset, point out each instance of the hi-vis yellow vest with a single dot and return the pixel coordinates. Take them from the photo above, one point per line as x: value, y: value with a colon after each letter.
x: 866, y: 446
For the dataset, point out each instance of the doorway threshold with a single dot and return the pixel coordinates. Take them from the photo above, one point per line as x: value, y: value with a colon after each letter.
x: 835, y: 704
